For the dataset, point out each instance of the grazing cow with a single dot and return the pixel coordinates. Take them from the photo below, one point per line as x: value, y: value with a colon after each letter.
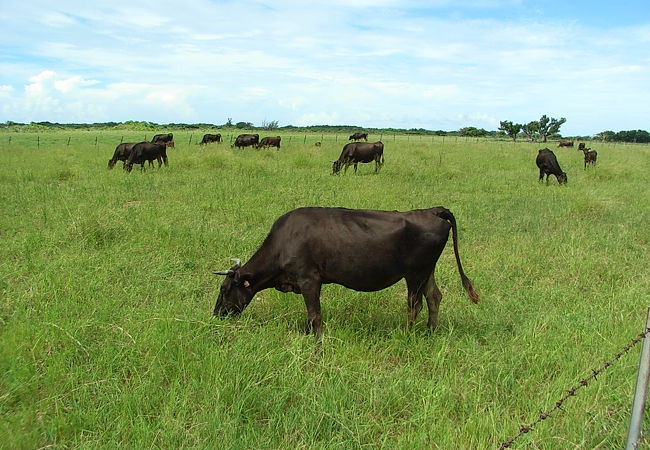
x: 581, y: 146
x: 146, y: 151
x: 122, y: 152
x: 270, y: 142
x: 358, y: 137
x: 167, y: 139
x: 317, y: 144
x: 246, y: 140
x: 356, y: 152
x: 548, y: 165
x: 565, y: 143
x: 363, y: 250
x: 208, y: 138
x: 590, y: 156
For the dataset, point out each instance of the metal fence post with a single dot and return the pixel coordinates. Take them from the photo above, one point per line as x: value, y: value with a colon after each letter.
x: 640, y: 393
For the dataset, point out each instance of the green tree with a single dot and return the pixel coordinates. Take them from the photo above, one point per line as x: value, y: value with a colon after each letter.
x: 511, y: 129
x: 549, y: 125
x: 531, y: 129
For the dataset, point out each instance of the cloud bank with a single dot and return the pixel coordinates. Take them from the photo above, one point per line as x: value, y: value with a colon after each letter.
x: 374, y: 63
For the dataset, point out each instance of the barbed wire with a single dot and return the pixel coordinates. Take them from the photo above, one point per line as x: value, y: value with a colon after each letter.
x: 572, y: 392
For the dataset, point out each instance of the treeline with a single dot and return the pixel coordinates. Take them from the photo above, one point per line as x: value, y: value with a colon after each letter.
x: 640, y: 136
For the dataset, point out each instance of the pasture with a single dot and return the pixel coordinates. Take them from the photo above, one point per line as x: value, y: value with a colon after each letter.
x: 106, y: 330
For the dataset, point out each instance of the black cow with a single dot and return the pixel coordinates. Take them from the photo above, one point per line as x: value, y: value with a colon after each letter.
x: 356, y: 152
x: 358, y: 137
x: 590, y: 156
x: 146, y: 151
x: 246, y: 140
x: 363, y: 250
x: 167, y: 139
x: 208, y: 138
x: 270, y: 142
x: 565, y: 143
x: 548, y: 165
x: 122, y: 152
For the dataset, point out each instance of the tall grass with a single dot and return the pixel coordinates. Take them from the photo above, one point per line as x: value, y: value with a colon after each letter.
x: 107, y: 339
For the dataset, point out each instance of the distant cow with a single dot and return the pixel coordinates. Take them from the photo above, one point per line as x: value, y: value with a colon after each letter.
x: 122, y: 153
x: 270, y: 142
x: 590, y: 156
x: 246, y: 140
x: 167, y: 139
x: 548, y: 165
x: 317, y: 144
x: 358, y: 137
x: 146, y: 151
x: 363, y: 250
x: 356, y: 152
x: 208, y: 138
x: 565, y: 143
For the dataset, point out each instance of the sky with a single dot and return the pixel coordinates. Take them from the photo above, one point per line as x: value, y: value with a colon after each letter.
x: 436, y: 64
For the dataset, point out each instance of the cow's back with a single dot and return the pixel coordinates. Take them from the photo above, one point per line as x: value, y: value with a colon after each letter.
x: 356, y: 248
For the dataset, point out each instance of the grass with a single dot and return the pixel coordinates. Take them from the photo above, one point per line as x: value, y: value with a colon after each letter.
x: 107, y: 339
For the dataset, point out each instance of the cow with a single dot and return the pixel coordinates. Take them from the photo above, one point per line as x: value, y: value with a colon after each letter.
x: 565, y: 143
x: 246, y: 140
x: 548, y: 165
x: 122, y: 152
x: 270, y: 142
x: 208, y: 138
x: 146, y: 151
x: 363, y: 250
x: 590, y: 156
x: 167, y: 139
x: 358, y: 137
x: 356, y: 152
x: 318, y: 144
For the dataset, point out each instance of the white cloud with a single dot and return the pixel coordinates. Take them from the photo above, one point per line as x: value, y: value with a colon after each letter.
x: 365, y: 63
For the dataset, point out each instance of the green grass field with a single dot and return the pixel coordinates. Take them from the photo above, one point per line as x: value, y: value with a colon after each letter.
x: 106, y: 331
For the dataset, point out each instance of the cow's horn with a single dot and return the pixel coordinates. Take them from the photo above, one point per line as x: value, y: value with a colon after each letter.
x: 224, y: 272
x: 237, y: 261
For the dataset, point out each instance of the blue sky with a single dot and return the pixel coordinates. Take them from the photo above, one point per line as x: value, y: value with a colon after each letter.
x: 437, y: 64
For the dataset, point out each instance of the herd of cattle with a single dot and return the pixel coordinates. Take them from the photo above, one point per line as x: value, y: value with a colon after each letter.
x: 305, y: 248
x: 548, y: 165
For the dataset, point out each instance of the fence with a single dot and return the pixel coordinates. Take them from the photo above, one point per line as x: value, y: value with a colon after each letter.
x: 634, y: 434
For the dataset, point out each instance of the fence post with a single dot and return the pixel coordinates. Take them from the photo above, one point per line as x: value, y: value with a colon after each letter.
x: 38, y: 142
x: 68, y: 144
x: 640, y: 393
x: 190, y: 143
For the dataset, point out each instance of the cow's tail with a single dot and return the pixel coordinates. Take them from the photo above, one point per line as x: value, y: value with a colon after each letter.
x: 445, y: 214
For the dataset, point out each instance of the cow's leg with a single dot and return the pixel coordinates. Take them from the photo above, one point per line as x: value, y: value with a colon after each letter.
x: 433, y: 296
x: 541, y: 175
x: 355, y: 167
x: 311, y: 293
x: 414, y: 299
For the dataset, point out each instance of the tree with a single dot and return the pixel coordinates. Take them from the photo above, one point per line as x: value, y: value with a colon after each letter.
x: 548, y: 126
x: 511, y: 129
x: 241, y: 125
x: 228, y: 124
x: 272, y: 125
x: 530, y: 130
x: 472, y: 131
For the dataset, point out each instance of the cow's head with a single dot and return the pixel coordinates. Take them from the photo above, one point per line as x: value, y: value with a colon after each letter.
x: 128, y: 166
x: 111, y: 163
x: 336, y: 166
x: 562, y: 178
x: 235, y: 293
